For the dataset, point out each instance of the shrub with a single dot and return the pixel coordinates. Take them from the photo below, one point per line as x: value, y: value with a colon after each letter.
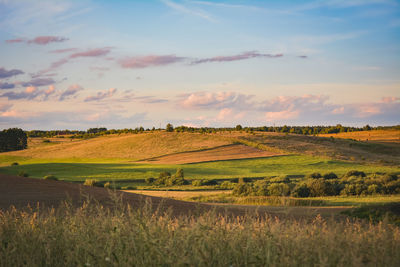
x: 330, y: 175
x: 227, y: 185
x: 301, y: 190
x: 197, y: 183
x: 179, y: 173
x: 278, y: 189
x: 314, y: 175
x: 355, y: 173
x: 242, y: 189
x: 46, y: 141
x: 50, y: 177
x: 92, y: 182
x: 128, y: 187
x: 23, y: 174
x: 149, y: 180
x: 320, y: 187
x: 243, y: 180
x: 14, y: 164
x: 166, y: 179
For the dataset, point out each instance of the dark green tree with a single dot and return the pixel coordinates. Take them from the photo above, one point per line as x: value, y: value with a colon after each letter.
x: 169, y: 127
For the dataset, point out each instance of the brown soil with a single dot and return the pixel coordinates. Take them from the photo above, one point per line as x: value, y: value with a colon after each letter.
x: 21, y: 192
x: 226, y: 152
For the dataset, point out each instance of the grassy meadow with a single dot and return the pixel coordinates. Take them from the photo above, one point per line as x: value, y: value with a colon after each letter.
x: 77, y: 170
x: 94, y: 236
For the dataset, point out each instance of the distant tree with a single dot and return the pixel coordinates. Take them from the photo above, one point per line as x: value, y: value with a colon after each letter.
x: 239, y: 127
x: 13, y: 139
x: 169, y: 127
x: 367, y: 128
x: 179, y: 173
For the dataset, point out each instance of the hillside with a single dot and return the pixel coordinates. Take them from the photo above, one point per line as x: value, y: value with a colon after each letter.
x: 127, y: 146
x: 179, y: 148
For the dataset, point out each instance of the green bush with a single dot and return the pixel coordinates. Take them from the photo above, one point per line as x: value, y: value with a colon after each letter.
x: 23, y: 174
x: 355, y: 173
x: 242, y: 189
x: 301, y: 190
x: 314, y: 175
x: 227, y: 185
x: 166, y: 179
x: 50, y: 177
x: 330, y: 175
x: 92, y: 182
x: 14, y: 164
x: 128, y: 187
x: 201, y: 182
x: 320, y: 187
x: 278, y: 189
x: 149, y: 180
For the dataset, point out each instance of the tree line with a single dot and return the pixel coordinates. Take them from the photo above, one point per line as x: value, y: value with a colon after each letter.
x: 13, y: 139
x: 304, y: 130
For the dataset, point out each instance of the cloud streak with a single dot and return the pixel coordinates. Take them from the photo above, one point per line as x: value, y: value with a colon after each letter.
x: 9, y: 73
x: 7, y: 85
x: 39, y: 40
x: 149, y: 61
x: 101, y: 95
x: 70, y: 92
x: 39, y: 82
x: 243, y: 56
x: 96, y: 52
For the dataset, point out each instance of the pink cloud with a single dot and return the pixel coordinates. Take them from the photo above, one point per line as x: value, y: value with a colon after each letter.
x: 149, y: 61
x: 208, y: 100
x: 44, y: 40
x: 101, y: 95
x: 5, y: 106
x: 66, y: 50
x: 281, y: 115
x: 97, y: 52
x: 70, y: 92
x: 224, y: 114
x: 245, y: 55
x: 390, y: 99
x: 366, y: 110
x: 17, y: 40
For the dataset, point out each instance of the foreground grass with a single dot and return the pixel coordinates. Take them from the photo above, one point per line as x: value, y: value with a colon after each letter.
x: 94, y: 236
x: 123, y: 172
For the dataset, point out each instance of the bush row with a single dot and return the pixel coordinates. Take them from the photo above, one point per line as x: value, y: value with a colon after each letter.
x: 353, y: 183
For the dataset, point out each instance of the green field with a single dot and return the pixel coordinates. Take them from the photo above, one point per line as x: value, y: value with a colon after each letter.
x: 77, y: 170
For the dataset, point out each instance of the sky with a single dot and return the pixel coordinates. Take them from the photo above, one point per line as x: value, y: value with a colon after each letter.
x: 124, y: 64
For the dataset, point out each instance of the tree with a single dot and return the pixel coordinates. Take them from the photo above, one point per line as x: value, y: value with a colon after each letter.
x: 13, y: 139
x: 239, y: 127
x: 169, y: 127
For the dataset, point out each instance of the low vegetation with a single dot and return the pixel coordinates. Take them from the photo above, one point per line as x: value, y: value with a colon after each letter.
x: 94, y: 236
x: 317, y: 185
x: 92, y: 182
x: 50, y: 177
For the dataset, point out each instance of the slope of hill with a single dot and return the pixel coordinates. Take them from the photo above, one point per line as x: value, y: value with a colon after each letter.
x: 126, y: 146
x: 178, y: 148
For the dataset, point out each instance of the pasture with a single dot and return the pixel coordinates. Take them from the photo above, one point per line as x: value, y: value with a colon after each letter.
x: 126, y: 173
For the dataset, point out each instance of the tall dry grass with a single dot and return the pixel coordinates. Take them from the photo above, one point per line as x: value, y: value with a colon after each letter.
x: 95, y: 236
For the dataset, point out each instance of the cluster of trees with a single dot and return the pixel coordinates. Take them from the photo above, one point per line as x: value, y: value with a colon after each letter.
x: 166, y: 179
x: 13, y: 139
x: 316, y: 185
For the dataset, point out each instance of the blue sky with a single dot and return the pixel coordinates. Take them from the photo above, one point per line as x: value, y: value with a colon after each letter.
x: 124, y: 64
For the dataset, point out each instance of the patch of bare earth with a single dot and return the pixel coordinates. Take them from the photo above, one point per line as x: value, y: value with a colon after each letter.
x: 228, y: 152
x: 20, y: 192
